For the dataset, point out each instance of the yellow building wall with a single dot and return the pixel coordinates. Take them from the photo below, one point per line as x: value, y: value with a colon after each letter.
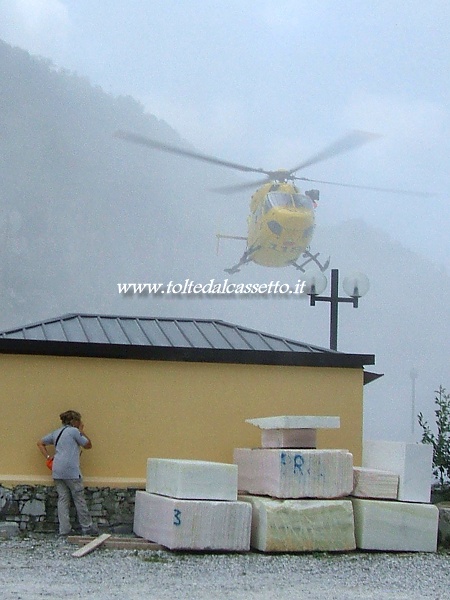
x: 136, y: 409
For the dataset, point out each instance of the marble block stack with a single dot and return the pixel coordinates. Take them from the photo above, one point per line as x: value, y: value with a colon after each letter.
x: 192, y: 505
x: 297, y: 492
x: 391, y: 498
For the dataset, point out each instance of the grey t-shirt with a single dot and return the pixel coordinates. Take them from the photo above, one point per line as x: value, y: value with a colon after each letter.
x: 66, y: 464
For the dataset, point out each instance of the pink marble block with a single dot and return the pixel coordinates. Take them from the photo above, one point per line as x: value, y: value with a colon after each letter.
x: 286, y: 473
x: 289, y: 438
x: 373, y: 483
x: 193, y: 524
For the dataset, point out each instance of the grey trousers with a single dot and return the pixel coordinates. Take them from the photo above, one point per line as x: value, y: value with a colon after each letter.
x: 67, y: 489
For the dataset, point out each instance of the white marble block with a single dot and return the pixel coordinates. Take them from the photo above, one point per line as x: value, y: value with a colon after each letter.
x: 301, y: 525
x: 372, y: 483
x: 192, y: 479
x: 399, y: 526
x: 411, y: 462
x: 295, y: 473
x: 289, y: 438
x: 193, y: 524
x: 296, y: 422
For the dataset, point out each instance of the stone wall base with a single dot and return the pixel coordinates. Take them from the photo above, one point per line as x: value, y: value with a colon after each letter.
x: 33, y: 507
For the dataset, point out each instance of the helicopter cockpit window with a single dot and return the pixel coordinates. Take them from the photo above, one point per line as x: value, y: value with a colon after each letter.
x: 278, y: 199
x: 290, y: 200
x: 301, y: 201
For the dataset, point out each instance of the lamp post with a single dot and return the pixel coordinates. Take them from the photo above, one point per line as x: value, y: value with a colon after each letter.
x: 414, y: 375
x: 355, y: 286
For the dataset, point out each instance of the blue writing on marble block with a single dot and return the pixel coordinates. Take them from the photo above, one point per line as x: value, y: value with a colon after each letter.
x: 176, y: 516
x: 296, y: 463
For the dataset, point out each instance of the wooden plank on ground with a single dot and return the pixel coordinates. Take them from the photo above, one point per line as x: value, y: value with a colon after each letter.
x: 95, y: 543
x: 133, y: 545
x: 117, y: 543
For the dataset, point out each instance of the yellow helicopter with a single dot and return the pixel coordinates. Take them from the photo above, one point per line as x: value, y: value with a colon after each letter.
x: 282, y: 219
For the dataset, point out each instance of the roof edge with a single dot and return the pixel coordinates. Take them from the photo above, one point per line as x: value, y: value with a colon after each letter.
x: 369, y: 376
x: 212, y: 355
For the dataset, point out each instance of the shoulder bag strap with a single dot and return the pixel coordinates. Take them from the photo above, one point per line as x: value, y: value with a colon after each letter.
x: 59, y: 434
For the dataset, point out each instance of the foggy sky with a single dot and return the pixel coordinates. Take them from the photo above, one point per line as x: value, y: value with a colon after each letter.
x: 268, y: 83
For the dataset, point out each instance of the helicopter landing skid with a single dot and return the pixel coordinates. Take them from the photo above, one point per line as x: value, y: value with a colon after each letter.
x: 232, y: 270
x: 246, y: 258
x: 311, y: 258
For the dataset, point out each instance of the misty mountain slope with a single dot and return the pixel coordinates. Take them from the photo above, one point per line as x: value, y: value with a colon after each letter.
x: 78, y: 206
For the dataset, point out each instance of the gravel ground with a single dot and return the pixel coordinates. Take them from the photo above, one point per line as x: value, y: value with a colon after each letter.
x: 42, y: 567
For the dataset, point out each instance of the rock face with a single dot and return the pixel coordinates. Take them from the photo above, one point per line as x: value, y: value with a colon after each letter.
x: 283, y: 473
x: 400, y: 526
x: 411, y: 462
x: 372, y: 483
x: 192, y: 479
x: 301, y: 525
x: 193, y: 524
x: 444, y: 524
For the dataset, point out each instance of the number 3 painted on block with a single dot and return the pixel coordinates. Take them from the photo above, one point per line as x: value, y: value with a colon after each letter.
x: 176, y: 516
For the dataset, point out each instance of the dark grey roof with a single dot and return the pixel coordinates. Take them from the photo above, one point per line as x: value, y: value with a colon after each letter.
x: 167, y: 338
x: 150, y: 331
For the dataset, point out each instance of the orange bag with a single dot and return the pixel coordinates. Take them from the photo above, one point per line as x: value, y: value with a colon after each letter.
x: 49, y: 461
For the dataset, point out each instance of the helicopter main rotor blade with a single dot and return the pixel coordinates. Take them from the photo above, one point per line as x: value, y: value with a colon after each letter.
x: 240, y: 187
x: 352, y: 140
x: 367, y: 187
x: 145, y: 141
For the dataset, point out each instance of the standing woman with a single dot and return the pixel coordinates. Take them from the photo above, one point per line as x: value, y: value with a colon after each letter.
x: 68, y: 440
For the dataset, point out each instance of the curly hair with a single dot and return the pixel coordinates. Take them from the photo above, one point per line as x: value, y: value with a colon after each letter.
x: 69, y: 416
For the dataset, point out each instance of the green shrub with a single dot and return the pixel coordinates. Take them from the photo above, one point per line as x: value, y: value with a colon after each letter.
x: 441, y: 440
